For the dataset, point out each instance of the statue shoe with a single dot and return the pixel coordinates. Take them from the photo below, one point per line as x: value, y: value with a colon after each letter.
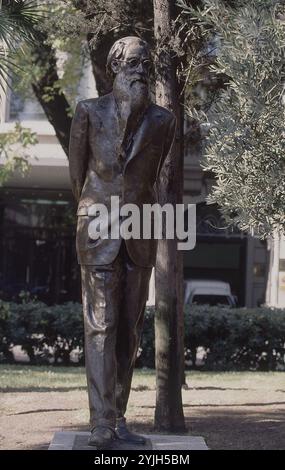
x: 101, y: 437
x: 124, y: 434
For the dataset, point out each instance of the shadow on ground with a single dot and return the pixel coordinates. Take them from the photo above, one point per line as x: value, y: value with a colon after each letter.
x: 40, y: 389
x: 230, y: 405
x: 222, y: 428
x: 42, y: 410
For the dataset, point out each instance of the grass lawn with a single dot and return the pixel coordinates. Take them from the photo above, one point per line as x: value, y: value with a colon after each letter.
x: 237, y: 410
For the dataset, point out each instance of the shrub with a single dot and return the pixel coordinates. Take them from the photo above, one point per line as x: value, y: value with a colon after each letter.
x: 6, y: 339
x: 42, y: 331
x: 233, y: 339
x: 147, y: 346
x: 237, y: 339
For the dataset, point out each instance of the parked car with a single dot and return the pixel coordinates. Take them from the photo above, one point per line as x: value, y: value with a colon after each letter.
x: 210, y: 292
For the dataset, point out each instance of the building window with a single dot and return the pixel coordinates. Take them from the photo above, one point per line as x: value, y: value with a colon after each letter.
x: 37, y: 246
x: 23, y: 105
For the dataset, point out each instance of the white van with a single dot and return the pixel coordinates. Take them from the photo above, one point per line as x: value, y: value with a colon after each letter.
x: 210, y: 292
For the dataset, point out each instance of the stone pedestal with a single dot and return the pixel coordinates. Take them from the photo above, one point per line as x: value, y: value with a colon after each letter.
x: 79, y: 441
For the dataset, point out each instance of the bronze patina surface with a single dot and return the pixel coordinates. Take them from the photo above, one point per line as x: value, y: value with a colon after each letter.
x: 118, y: 145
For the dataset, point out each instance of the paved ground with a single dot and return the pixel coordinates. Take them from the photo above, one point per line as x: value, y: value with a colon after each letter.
x: 231, y: 411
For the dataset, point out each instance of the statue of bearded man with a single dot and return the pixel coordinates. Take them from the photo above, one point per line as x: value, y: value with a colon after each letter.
x: 118, y: 145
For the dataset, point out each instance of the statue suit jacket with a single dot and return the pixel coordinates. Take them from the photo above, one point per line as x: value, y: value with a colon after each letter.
x: 99, y: 170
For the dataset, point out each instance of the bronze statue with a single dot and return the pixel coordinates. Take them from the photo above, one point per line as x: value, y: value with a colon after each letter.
x: 117, y: 147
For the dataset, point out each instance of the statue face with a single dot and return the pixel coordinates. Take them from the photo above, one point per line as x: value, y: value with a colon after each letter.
x: 135, y: 66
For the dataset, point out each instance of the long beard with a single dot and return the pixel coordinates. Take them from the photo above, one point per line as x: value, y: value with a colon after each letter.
x: 132, y: 97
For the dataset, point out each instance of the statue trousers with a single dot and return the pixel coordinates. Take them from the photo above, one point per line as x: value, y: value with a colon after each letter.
x: 114, y: 299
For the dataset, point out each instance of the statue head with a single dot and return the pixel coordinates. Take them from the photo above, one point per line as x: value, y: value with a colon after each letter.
x: 129, y: 60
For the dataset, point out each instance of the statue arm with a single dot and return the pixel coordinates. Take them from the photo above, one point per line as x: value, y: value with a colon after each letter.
x: 78, y: 149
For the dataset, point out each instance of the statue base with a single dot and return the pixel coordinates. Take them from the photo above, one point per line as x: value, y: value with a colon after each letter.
x: 73, y: 440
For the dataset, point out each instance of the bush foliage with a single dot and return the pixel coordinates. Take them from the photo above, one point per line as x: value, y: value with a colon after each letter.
x: 237, y: 339
x: 232, y: 339
x: 42, y: 331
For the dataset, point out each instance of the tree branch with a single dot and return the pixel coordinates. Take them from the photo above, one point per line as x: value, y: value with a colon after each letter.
x: 50, y: 95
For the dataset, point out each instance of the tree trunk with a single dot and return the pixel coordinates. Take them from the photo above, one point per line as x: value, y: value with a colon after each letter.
x: 98, y: 56
x: 169, y: 324
x: 56, y: 107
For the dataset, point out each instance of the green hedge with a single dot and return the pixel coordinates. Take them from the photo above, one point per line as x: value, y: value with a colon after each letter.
x: 232, y: 339
x: 43, y: 332
x: 236, y: 339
